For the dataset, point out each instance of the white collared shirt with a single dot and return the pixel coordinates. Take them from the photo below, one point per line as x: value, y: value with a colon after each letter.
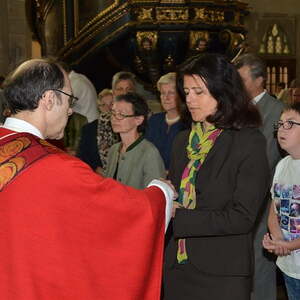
x: 19, y: 125
x: 256, y: 99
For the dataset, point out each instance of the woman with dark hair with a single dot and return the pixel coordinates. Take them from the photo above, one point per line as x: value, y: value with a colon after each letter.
x: 221, y: 172
x: 134, y: 161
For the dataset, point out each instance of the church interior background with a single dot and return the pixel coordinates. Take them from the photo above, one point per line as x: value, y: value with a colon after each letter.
x: 149, y: 37
x: 103, y: 37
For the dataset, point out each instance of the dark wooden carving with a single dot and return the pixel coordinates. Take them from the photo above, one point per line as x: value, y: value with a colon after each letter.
x: 146, y: 37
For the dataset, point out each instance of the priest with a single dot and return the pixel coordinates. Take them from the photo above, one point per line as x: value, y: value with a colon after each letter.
x: 67, y: 232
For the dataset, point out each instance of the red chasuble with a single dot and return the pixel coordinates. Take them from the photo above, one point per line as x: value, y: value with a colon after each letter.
x: 67, y: 233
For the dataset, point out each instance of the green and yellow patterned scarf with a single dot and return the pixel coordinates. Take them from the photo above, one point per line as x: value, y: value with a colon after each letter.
x: 200, y: 143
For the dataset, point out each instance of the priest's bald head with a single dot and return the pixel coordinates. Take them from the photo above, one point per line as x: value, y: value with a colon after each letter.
x: 39, y: 92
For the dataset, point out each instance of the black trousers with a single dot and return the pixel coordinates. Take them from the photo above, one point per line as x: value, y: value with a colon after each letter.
x: 186, y: 282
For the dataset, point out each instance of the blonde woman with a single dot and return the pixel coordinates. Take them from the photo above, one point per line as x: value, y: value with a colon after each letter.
x: 163, y: 127
x: 104, y: 101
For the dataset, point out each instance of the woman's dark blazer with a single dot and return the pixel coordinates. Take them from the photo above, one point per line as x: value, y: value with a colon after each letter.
x: 230, y: 190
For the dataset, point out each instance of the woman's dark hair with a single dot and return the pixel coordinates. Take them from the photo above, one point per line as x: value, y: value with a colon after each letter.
x: 24, y: 87
x: 234, y: 109
x: 139, y: 106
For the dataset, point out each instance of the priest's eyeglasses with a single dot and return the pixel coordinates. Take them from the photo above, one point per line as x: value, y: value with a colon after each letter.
x: 285, y: 125
x: 120, y: 116
x: 72, y: 99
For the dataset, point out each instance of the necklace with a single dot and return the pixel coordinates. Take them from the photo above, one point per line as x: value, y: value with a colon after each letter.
x: 172, y: 121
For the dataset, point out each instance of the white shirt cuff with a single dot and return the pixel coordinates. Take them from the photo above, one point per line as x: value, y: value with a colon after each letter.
x: 169, y: 194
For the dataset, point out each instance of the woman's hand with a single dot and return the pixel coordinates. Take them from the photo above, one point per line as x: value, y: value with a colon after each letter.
x: 175, y: 206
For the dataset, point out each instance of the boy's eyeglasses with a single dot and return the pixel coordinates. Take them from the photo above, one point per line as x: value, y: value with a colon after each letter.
x: 72, y: 99
x: 285, y: 125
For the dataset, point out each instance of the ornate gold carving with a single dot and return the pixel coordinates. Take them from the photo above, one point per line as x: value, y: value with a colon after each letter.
x: 143, y: 1
x: 89, y: 33
x: 169, y: 61
x: 43, y: 8
x: 84, y: 37
x: 172, y: 15
x: 235, y: 41
x: 99, y: 15
x: 151, y: 36
x: 149, y: 13
x: 195, y: 36
x: 237, y: 17
x: 173, y: 1
x: 105, y: 40
x: 209, y: 15
x: 238, y: 40
x: 144, y: 14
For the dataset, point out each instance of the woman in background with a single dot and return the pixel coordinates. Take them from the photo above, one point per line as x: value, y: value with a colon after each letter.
x: 104, y: 101
x: 97, y: 137
x: 221, y: 172
x: 134, y: 161
x: 163, y: 127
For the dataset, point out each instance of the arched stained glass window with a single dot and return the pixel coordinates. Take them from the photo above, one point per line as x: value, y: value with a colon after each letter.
x: 276, y: 50
x: 274, y: 41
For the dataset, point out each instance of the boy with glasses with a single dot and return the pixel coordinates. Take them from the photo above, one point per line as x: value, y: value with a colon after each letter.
x: 284, y: 215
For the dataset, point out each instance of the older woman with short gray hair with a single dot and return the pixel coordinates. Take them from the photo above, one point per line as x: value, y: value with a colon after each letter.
x: 163, y: 127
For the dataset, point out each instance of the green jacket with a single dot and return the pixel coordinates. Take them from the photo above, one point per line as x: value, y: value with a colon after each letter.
x: 137, y: 166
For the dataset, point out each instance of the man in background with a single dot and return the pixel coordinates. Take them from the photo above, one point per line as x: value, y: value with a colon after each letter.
x: 254, y: 73
x: 295, y: 91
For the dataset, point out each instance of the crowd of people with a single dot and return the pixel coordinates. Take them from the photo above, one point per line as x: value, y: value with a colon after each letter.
x: 193, y: 202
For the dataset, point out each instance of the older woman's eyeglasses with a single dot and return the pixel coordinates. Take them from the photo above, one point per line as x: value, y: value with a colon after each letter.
x: 72, y: 99
x: 285, y: 125
x: 120, y: 116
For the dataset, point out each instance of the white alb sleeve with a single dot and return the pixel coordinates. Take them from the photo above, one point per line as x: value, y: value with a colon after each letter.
x: 169, y: 194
